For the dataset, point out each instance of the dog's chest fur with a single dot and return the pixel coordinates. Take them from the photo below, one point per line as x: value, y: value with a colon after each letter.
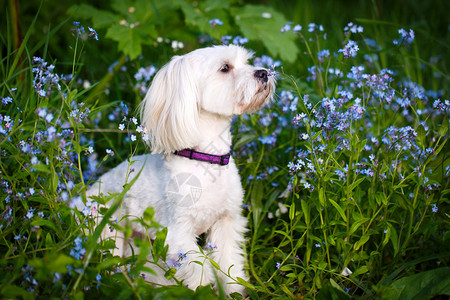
x: 180, y: 190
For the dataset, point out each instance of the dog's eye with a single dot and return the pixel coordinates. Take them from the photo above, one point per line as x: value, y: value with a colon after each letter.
x: 225, y: 68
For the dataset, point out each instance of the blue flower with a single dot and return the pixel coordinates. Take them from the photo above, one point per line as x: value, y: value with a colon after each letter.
x: 93, y: 33
x: 145, y: 73
x: 406, y: 37
x: 268, y: 140
x: 353, y: 28
x: 30, y: 213
x: 215, y: 22
x: 286, y: 27
x: 350, y: 50
x: 78, y: 251
x: 297, y: 28
x: 434, y: 208
x: 98, y: 278
x: 323, y: 54
x: 239, y: 40
x: 6, y: 100
x: 226, y: 39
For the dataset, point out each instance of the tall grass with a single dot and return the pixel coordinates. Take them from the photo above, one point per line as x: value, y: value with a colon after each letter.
x: 346, y: 172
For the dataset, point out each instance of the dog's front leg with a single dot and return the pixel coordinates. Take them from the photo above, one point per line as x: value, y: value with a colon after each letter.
x: 226, y: 236
x: 184, y: 254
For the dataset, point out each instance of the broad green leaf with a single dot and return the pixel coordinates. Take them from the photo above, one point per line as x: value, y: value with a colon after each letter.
x: 13, y: 292
x: 262, y: 23
x: 100, y: 18
x: 424, y: 285
x: 59, y: 263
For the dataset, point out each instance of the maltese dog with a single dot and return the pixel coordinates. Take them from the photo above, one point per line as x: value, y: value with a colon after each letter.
x: 190, y: 179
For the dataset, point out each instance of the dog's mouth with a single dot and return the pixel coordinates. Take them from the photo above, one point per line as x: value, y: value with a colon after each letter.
x: 262, y: 96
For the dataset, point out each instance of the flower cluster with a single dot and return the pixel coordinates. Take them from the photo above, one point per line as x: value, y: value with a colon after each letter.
x: 79, y: 31
x: 215, y: 22
x: 143, y: 78
x: 177, y: 263
x: 350, y: 49
x: 288, y: 27
x: 44, y: 78
x: 237, y: 40
x: 353, y: 28
x: 406, y: 37
x: 78, y: 252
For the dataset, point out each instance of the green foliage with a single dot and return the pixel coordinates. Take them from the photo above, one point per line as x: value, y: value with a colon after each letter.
x: 424, y: 285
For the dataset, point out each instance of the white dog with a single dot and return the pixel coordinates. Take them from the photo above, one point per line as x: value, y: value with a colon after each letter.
x: 190, y: 179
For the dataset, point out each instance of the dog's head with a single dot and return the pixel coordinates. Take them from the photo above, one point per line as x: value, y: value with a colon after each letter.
x: 216, y: 79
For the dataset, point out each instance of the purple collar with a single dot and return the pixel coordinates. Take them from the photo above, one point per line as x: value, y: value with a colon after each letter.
x: 222, y: 160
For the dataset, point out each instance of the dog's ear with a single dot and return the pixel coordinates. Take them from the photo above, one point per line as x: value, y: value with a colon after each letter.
x: 170, y: 108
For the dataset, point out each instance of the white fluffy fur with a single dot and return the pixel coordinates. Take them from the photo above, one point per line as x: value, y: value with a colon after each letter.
x: 190, y: 105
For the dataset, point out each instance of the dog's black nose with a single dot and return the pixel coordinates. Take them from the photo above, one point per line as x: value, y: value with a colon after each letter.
x: 261, y: 75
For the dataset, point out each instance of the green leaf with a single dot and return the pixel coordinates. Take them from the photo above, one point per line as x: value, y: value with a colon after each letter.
x: 130, y: 39
x: 361, y: 242
x: 443, y: 129
x: 424, y: 285
x: 41, y: 168
x: 256, y: 202
x: 356, y: 225
x: 42, y: 222
x: 361, y: 270
x: 149, y: 212
x: 244, y: 283
x: 214, y: 264
x: 292, y: 211
x: 394, y: 238
x: 420, y: 140
x: 59, y: 263
x: 111, y: 261
x: 339, y: 209
x: 170, y: 273
x: 262, y: 23
x: 305, y: 209
x: 13, y: 292
x: 355, y: 184
x: 49, y: 241
x: 159, y: 247
x: 322, y: 197
x: 100, y: 18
